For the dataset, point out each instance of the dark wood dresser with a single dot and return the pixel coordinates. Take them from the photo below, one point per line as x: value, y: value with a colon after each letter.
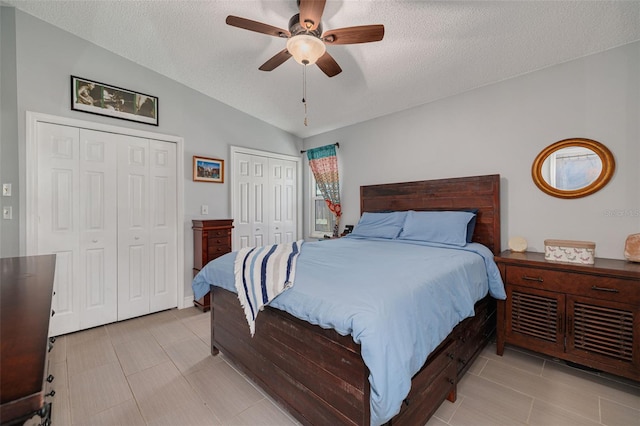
x: 26, y: 289
x: 211, y: 239
x: 585, y: 314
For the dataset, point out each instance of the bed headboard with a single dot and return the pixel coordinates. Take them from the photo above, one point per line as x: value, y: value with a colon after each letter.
x: 481, y: 192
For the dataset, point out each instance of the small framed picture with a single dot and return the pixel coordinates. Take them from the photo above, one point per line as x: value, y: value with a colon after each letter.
x: 103, y: 99
x: 208, y: 169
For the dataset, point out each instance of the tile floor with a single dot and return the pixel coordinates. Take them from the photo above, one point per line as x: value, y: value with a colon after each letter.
x: 157, y: 370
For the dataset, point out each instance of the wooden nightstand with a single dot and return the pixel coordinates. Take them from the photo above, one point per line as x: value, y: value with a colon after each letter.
x: 587, y: 314
x: 211, y: 239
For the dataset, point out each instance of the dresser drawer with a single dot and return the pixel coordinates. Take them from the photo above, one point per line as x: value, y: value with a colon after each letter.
x: 599, y: 287
x: 219, y: 233
x: 217, y: 250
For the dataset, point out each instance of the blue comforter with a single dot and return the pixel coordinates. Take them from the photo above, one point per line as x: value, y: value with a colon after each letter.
x: 397, y: 299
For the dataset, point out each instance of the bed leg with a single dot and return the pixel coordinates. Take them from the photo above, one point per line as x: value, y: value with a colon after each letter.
x: 214, y: 350
x: 453, y: 395
x: 500, y: 312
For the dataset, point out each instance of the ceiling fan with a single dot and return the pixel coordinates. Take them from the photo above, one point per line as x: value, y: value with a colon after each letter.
x: 306, y: 41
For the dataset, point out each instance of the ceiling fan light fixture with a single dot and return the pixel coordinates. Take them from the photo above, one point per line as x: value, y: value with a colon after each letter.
x: 306, y: 49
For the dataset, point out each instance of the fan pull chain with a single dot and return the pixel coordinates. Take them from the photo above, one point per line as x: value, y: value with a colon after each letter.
x: 304, y: 92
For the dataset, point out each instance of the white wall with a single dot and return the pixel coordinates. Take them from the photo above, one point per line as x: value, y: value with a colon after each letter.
x: 500, y: 129
x: 44, y: 60
x: 9, y: 234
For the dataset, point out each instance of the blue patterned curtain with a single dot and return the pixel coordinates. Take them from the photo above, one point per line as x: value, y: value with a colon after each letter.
x: 324, y: 165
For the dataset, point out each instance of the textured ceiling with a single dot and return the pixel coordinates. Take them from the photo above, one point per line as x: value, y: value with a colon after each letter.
x: 430, y: 50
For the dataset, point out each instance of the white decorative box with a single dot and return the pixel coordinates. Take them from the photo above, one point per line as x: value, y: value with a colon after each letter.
x: 570, y: 251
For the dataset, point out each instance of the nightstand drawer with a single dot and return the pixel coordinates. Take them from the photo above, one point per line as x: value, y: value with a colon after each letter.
x: 600, y: 287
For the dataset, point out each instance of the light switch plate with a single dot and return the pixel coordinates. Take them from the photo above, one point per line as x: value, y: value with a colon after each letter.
x: 204, y: 209
x: 7, y: 212
x: 6, y: 189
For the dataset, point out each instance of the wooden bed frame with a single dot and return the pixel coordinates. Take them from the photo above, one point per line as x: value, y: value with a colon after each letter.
x: 317, y: 374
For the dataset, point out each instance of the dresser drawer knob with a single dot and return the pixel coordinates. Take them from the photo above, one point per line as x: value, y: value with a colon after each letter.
x: 451, y: 382
x: 608, y: 290
x: 538, y: 279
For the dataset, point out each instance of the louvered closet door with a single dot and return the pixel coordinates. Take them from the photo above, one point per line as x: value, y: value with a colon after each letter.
x: 535, y: 314
x: 58, y: 219
x: 604, y: 330
x: 251, y: 226
x: 283, y: 208
x: 134, y: 270
x: 98, y: 228
x: 163, y: 232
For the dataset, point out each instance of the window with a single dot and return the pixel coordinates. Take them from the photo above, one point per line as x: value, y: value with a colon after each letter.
x: 322, y: 220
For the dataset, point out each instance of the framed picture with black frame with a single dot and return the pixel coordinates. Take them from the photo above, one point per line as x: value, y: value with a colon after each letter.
x: 103, y: 99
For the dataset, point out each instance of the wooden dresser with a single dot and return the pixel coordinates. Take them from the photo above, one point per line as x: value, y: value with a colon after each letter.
x: 211, y: 239
x: 586, y: 314
x: 26, y: 289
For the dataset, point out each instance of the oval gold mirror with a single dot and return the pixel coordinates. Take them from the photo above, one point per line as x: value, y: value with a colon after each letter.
x: 573, y: 168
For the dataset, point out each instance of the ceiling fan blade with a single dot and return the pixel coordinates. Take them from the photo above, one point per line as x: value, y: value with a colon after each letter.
x: 311, y: 13
x: 259, y: 27
x: 328, y: 65
x: 275, y: 61
x: 353, y: 35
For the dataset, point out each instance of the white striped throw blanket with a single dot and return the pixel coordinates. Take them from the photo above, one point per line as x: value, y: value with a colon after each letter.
x: 262, y: 273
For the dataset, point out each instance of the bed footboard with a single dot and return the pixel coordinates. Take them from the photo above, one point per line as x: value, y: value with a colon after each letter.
x: 319, y: 376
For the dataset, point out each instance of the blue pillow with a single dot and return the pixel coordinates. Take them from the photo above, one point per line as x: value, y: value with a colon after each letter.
x: 471, y: 226
x: 380, y: 225
x: 444, y: 227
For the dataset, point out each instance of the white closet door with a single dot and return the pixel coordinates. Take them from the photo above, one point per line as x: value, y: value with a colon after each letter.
x: 98, y: 228
x: 133, y: 227
x: 283, y: 213
x: 58, y: 219
x: 251, y: 226
x: 163, y: 213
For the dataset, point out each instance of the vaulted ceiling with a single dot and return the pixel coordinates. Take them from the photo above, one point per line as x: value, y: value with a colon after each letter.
x: 431, y: 49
